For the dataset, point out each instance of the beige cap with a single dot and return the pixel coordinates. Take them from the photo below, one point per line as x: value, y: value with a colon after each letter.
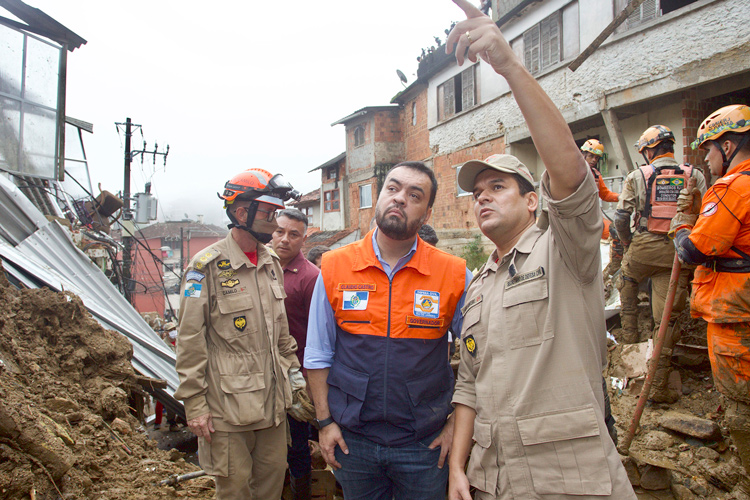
x: 502, y: 163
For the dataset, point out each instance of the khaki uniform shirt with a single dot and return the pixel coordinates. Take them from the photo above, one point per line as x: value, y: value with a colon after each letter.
x: 533, y: 347
x: 233, y: 348
x: 645, y: 247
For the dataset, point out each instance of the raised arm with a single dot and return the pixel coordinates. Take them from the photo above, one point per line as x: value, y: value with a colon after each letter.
x: 479, y: 36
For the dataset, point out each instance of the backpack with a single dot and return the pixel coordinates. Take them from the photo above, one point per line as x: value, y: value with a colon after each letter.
x: 663, y: 186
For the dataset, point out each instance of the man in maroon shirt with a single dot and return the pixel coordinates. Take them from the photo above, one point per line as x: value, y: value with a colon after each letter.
x: 299, y: 281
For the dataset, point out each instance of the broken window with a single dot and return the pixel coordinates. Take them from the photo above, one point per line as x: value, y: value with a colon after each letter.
x: 542, y: 44
x: 29, y: 81
x: 331, y: 200
x: 457, y: 94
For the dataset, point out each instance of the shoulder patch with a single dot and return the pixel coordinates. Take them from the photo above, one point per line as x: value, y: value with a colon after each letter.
x: 471, y: 345
x: 201, y: 261
x: 194, y: 276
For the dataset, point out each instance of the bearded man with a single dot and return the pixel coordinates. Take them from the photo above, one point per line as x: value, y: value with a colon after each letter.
x: 377, y: 352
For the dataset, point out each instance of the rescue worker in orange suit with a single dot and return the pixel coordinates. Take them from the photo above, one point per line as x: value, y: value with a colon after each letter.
x: 235, y: 357
x: 650, y: 193
x: 717, y: 240
x: 593, y: 151
x: 377, y: 349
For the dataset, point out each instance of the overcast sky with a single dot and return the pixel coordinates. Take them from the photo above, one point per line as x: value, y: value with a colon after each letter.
x: 231, y: 85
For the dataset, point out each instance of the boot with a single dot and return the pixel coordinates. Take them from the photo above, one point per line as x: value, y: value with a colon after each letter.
x: 301, y: 487
x: 660, y: 391
x: 629, y: 311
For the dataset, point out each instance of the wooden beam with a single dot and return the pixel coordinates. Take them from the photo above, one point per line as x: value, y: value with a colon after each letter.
x: 612, y: 123
x: 617, y: 21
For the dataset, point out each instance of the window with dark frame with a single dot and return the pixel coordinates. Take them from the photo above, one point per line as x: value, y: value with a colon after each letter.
x: 332, y: 173
x: 457, y: 94
x: 542, y: 44
x: 331, y: 200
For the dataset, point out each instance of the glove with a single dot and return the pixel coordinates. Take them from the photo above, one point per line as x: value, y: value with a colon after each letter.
x: 681, y: 220
x: 302, y: 408
x: 689, y: 201
x: 296, y: 379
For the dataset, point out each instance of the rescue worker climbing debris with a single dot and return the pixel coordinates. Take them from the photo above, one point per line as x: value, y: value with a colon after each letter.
x: 716, y: 238
x: 650, y: 194
x: 235, y: 356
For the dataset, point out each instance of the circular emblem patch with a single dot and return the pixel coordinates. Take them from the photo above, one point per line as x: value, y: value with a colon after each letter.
x: 355, y: 300
x: 709, y: 210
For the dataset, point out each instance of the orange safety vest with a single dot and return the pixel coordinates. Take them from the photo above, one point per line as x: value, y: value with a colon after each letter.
x: 390, y: 379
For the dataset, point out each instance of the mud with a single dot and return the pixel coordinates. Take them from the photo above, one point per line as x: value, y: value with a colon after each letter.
x: 66, y: 426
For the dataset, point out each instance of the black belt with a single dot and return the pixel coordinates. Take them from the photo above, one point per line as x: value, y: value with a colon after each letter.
x: 725, y: 265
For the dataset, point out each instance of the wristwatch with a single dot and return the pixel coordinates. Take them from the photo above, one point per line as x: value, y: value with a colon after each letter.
x: 319, y: 424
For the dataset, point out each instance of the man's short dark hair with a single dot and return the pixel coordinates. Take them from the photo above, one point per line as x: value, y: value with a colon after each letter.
x: 524, y: 186
x: 294, y: 214
x: 421, y: 167
x: 315, y: 252
x: 428, y: 234
x: 663, y: 147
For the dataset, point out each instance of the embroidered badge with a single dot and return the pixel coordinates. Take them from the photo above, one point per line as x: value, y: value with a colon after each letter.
x: 416, y: 322
x: 194, y: 276
x: 199, y: 265
x: 205, y: 256
x: 359, y: 287
x: 230, y: 283
x: 227, y: 274
x: 355, y: 301
x: 224, y: 264
x: 711, y: 209
x: 426, y: 304
x: 240, y: 323
x: 471, y: 345
x: 193, y: 290
x: 524, y: 277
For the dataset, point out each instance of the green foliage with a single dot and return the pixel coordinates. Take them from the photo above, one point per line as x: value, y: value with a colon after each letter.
x: 474, y: 253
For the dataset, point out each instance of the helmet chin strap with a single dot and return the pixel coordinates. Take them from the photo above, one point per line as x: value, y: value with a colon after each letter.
x: 728, y: 161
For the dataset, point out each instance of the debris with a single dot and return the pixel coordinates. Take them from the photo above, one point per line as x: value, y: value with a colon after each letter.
x: 690, y: 425
x: 185, y: 477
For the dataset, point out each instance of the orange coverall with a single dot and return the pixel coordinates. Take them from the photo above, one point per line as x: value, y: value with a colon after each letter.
x: 723, y: 298
x: 606, y: 195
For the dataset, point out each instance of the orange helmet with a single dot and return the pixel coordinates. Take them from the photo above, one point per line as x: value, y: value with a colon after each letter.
x: 653, y: 136
x: 734, y: 118
x: 594, y: 147
x: 249, y: 185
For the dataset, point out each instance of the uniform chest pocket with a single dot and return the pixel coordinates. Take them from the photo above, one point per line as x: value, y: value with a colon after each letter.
x: 237, y: 318
x: 525, y: 307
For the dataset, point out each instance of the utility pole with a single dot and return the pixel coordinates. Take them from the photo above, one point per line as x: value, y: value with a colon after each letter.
x: 127, y: 215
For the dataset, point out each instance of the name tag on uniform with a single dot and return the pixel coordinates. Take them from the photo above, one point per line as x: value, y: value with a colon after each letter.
x: 355, y: 301
x: 524, y: 277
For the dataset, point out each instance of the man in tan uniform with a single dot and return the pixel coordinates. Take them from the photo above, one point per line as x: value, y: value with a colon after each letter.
x: 529, y: 390
x: 650, y: 251
x: 235, y: 356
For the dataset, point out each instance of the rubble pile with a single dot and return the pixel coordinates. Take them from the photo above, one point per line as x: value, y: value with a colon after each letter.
x: 66, y: 426
x: 682, y: 447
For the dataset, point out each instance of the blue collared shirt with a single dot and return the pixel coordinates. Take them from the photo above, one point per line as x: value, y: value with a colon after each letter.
x: 321, y: 327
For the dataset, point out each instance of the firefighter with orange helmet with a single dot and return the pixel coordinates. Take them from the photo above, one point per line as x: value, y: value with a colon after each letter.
x: 650, y: 194
x: 716, y: 238
x: 235, y: 357
x: 593, y: 151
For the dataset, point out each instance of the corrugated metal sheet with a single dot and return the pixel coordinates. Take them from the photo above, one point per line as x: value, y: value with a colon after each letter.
x: 40, y: 253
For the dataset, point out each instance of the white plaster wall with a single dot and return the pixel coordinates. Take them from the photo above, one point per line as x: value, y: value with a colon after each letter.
x: 633, y: 67
x: 595, y: 15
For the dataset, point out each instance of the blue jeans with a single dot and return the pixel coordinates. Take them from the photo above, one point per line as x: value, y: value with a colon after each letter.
x: 298, y: 455
x: 372, y: 471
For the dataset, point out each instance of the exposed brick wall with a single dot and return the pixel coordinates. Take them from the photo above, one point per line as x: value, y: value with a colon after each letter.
x: 388, y: 126
x: 451, y: 211
x: 694, y: 111
x: 360, y: 217
x: 416, y: 137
